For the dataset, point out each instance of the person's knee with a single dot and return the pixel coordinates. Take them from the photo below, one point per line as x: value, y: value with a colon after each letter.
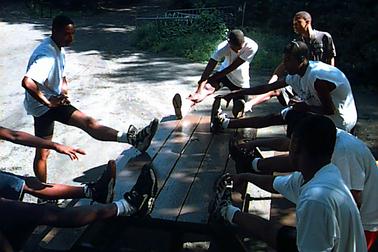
x: 42, y: 154
x: 90, y: 123
x: 33, y: 184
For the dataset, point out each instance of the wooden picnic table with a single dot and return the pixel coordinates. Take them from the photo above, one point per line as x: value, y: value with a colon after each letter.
x: 187, y: 160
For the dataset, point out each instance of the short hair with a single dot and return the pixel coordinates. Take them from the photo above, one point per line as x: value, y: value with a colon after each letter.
x: 303, y: 14
x: 316, y: 134
x: 298, y: 49
x: 236, y: 37
x: 61, y: 21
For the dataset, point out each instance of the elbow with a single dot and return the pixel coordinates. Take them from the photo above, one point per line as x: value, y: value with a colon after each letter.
x: 27, y: 83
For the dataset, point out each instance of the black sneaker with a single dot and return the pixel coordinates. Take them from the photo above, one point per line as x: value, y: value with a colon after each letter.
x: 221, y: 199
x: 143, y: 193
x: 177, y: 104
x: 216, y: 123
x: 238, y: 108
x: 142, y: 139
x: 103, y: 189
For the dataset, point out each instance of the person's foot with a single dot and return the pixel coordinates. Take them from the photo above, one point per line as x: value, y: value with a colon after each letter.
x: 238, y: 108
x: 142, y: 195
x: 242, y: 156
x: 177, y: 104
x: 216, y: 122
x: 142, y: 139
x: 221, y: 200
x: 103, y: 189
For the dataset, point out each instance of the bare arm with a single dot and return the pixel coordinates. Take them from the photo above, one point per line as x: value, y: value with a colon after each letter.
x: 237, y: 62
x: 357, y: 197
x: 324, y: 89
x: 280, y: 163
x: 33, y: 89
x: 256, y: 90
x: 211, y: 64
x: 23, y: 138
x: 278, y: 73
x: 265, y: 182
x: 64, y: 87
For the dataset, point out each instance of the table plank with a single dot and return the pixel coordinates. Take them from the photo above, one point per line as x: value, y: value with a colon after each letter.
x: 195, y: 208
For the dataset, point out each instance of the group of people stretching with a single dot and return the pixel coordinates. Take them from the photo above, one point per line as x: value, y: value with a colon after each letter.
x: 333, y: 175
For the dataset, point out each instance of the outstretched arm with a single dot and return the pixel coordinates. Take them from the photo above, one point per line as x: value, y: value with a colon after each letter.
x: 265, y: 182
x: 211, y: 64
x: 23, y: 138
x: 256, y: 90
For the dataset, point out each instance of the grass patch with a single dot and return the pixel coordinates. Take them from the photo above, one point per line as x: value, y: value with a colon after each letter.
x: 198, y: 40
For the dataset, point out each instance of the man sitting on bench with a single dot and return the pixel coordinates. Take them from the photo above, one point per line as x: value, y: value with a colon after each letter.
x: 326, y: 215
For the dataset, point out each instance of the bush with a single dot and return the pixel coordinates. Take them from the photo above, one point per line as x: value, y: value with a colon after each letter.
x: 195, y: 40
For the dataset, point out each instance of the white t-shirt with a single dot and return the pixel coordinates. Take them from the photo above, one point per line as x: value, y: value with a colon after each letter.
x: 46, y: 68
x: 359, y: 171
x: 326, y: 214
x: 240, y: 76
x: 345, y: 116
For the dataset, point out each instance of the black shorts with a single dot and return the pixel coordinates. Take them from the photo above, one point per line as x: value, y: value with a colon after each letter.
x: 44, y: 124
x: 227, y: 83
x: 287, y: 239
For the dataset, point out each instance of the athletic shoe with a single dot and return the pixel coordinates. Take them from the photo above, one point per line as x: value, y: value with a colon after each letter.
x: 177, y: 104
x: 217, y: 122
x: 142, y: 195
x: 103, y: 189
x: 142, y: 139
x: 238, y: 108
x: 215, y: 109
x: 221, y: 200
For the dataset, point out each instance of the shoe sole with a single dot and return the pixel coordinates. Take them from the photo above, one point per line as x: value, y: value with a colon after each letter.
x: 154, y: 127
x: 238, y: 109
x: 214, y: 112
x: 111, y: 184
x: 148, y: 202
x: 177, y: 104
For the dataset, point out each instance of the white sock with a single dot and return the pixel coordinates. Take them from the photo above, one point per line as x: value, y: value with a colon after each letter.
x: 255, y: 162
x: 225, y: 123
x: 229, y: 212
x: 122, y: 137
x: 87, y: 192
x: 124, y: 208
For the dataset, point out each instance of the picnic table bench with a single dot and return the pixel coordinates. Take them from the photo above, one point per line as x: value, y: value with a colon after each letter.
x: 187, y: 159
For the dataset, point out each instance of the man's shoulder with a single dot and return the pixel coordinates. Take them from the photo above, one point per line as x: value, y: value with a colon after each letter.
x: 250, y: 42
x: 321, y: 35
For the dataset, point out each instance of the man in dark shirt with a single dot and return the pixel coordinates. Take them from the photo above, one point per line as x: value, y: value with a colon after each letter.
x: 321, y: 48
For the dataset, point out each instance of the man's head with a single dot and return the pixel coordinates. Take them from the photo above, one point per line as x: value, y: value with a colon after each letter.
x: 313, y: 141
x: 301, y: 22
x: 295, y: 56
x: 63, y: 30
x: 236, y: 39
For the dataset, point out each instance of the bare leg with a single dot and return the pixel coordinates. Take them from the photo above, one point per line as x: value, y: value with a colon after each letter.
x: 256, y: 122
x: 20, y: 218
x: 52, y: 191
x: 92, y: 127
x: 20, y: 213
x: 4, y: 244
x: 40, y: 162
x: 258, y: 227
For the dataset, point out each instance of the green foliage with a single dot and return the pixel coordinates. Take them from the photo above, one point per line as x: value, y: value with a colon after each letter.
x: 194, y: 40
x: 269, y: 54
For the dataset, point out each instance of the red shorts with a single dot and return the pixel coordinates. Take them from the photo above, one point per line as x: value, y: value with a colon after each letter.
x: 370, y: 238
